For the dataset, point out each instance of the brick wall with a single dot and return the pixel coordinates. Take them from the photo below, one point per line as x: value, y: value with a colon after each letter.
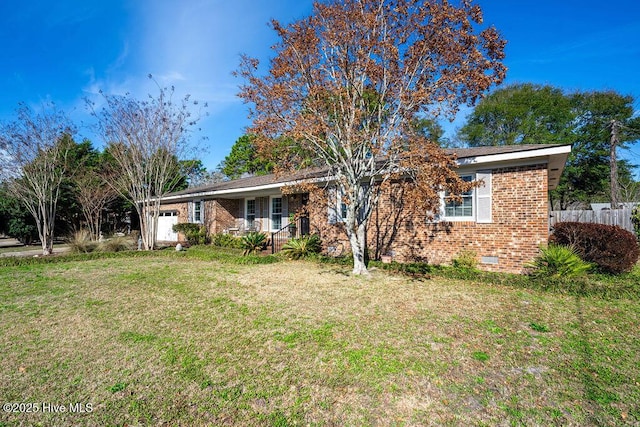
x: 222, y: 214
x: 519, y: 225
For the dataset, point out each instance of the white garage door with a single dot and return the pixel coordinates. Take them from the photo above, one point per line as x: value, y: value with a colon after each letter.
x: 166, y: 221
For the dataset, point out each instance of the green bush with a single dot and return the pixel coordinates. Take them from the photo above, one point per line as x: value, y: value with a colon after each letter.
x: 226, y: 241
x: 410, y: 268
x: 635, y: 219
x: 558, y: 261
x: 302, y: 247
x: 466, y: 259
x: 253, y: 242
x: 613, y: 249
x: 196, y: 234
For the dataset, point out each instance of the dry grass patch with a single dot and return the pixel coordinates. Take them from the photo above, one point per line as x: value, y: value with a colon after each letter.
x: 181, y: 341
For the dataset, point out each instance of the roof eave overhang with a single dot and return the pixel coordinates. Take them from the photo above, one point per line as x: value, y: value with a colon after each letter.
x: 554, y: 157
x: 242, y: 192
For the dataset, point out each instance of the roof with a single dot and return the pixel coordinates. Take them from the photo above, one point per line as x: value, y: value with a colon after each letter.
x: 254, y: 181
x: 553, y: 154
x: 499, y: 149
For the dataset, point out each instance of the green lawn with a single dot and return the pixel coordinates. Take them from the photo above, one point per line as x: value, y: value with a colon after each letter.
x: 170, y: 339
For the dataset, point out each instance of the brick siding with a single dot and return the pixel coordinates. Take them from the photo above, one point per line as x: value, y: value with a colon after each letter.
x: 221, y: 214
x: 519, y: 225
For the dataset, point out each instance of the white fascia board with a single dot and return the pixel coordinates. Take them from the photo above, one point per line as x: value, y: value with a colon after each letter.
x: 231, y: 191
x: 240, y: 190
x: 516, y: 156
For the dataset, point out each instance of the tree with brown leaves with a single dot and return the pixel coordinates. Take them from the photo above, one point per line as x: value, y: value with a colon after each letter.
x: 347, y: 82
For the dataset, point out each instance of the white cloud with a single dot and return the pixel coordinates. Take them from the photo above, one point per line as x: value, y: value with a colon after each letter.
x: 193, y: 45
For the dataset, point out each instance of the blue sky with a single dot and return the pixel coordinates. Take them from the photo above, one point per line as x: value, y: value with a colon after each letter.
x: 67, y: 50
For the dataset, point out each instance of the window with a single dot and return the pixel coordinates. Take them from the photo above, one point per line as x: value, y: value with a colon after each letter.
x: 475, y: 205
x: 276, y: 213
x: 251, y: 214
x: 462, y: 209
x: 196, y: 215
x: 338, y: 208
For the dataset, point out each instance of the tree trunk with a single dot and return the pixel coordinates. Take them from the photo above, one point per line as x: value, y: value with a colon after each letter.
x: 613, y: 164
x: 148, y: 225
x: 358, y: 249
x: 47, y: 245
x: 46, y: 238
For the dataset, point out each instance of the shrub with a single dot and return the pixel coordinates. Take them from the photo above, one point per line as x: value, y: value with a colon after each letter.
x: 302, y: 247
x: 635, y: 220
x: 613, y: 249
x: 253, y: 242
x: 196, y: 234
x: 558, y: 261
x: 81, y: 243
x: 466, y: 259
x: 226, y: 241
x: 412, y: 268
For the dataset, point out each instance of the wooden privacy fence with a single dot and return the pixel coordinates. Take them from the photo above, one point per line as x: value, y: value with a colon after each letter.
x: 619, y: 217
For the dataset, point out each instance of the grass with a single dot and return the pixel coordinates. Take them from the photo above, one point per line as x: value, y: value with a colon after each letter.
x: 205, y: 337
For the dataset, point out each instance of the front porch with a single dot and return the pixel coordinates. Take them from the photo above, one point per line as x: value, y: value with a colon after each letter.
x: 280, y: 217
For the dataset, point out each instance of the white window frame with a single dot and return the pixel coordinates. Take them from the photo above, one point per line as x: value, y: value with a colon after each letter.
x: 272, y: 213
x: 339, y: 210
x: 474, y: 203
x: 341, y: 207
x: 246, y: 213
x: 200, y: 204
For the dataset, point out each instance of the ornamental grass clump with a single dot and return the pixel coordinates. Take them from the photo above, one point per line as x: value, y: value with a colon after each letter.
x: 81, y: 243
x: 558, y: 261
x: 116, y: 244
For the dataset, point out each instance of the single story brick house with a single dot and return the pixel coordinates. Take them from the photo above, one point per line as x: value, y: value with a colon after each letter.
x: 503, y: 221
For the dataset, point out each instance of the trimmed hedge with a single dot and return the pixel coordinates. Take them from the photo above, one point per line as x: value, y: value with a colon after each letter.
x: 196, y: 234
x: 226, y: 241
x: 613, y: 249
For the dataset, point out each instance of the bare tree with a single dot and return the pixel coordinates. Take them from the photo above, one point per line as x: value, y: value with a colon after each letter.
x: 35, y: 147
x: 629, y: 191
x: 145, y: 139
x: 348, y: 82
x: 94, y: 194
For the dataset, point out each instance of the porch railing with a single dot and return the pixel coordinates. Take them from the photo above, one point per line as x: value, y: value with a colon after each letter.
x: 294, y: 229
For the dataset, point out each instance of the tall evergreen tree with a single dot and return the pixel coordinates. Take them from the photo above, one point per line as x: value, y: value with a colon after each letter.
x: 535, y: 114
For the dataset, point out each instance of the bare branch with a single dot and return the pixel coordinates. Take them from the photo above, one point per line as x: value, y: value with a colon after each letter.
x: 146, y: 139
x: 346, y: 83
x: 36, y: 146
